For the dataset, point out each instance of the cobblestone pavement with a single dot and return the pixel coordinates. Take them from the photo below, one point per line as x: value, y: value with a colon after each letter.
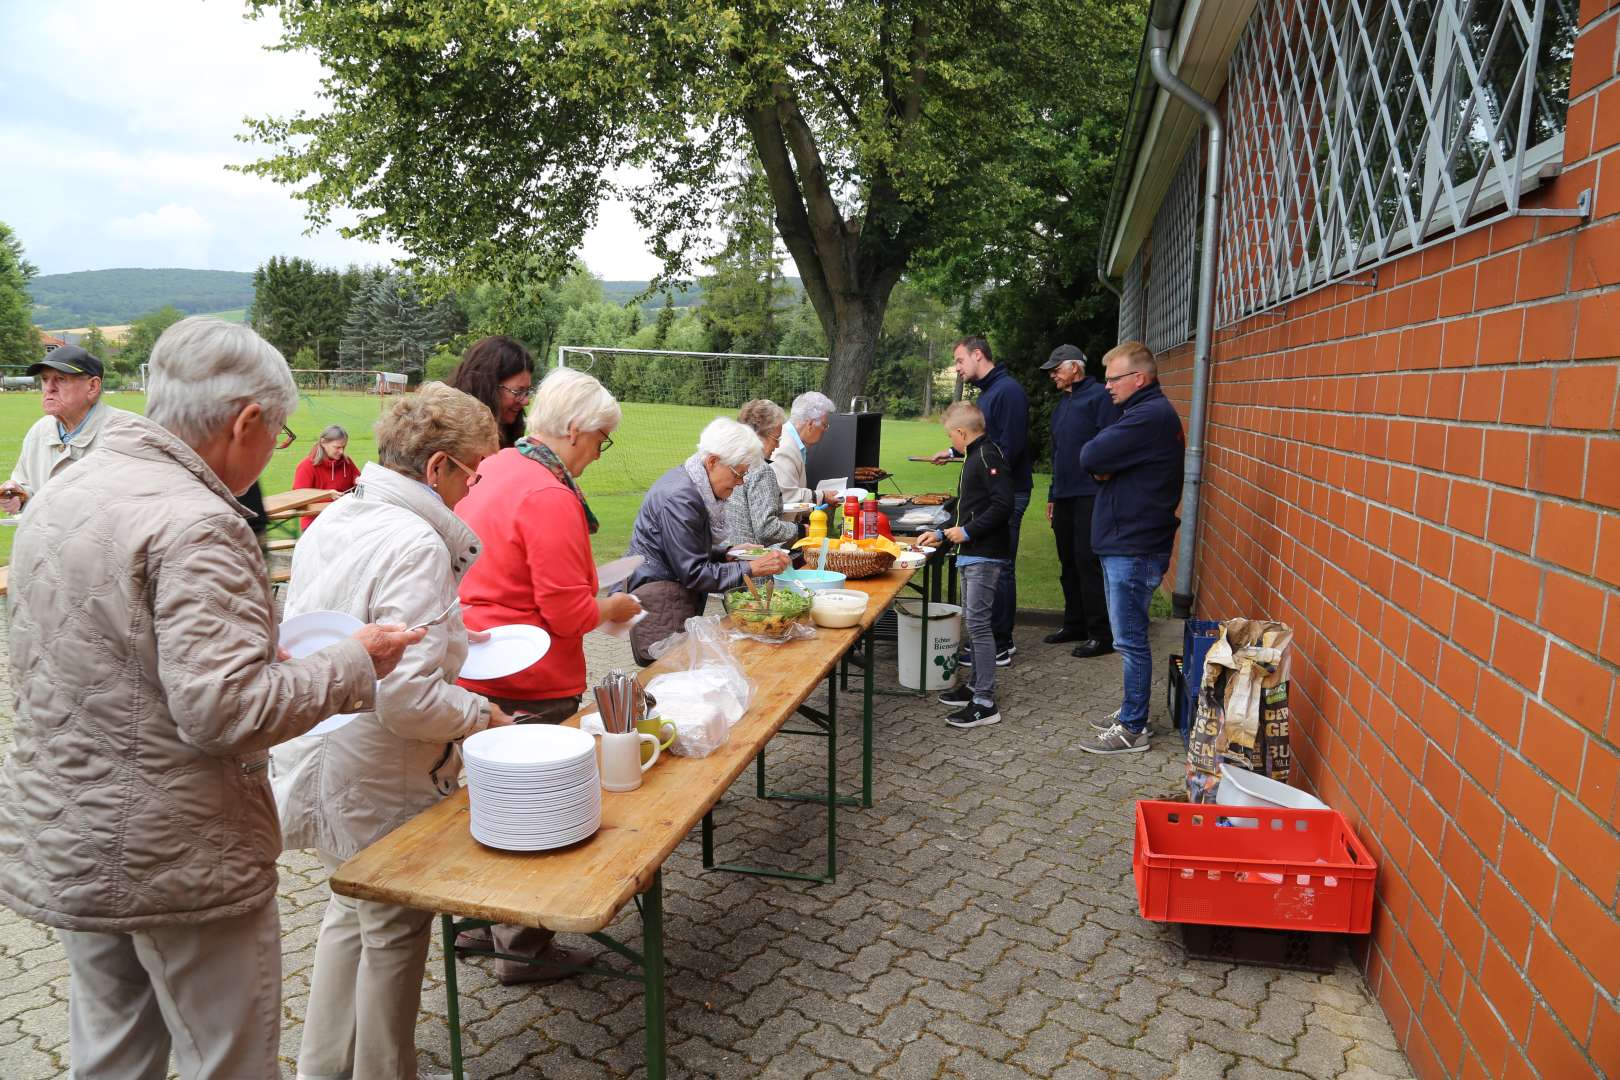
x: 983, y: 925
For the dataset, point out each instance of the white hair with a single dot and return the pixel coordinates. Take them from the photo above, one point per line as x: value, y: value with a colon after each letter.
x: 570, y: 398
x: 733, y: 443
x: 204, y: 371
x: 810, y: 407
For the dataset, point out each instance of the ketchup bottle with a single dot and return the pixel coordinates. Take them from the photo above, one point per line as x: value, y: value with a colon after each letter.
x: 869, y: 519
x: 852, y: 518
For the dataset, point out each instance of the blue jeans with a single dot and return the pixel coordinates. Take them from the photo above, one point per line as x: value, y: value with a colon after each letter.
x: 1007, y: 591
x: 979, y: 597
x: 1130, y: 581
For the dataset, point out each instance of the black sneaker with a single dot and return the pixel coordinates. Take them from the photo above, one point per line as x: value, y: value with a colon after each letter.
x: 1004, y: 657
x: 974, y: 715
x: 957, y: 696
x: 964, y: 659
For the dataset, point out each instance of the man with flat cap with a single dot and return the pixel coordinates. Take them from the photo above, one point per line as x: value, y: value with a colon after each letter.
x: 70, y: 379
x: 1083, y: 410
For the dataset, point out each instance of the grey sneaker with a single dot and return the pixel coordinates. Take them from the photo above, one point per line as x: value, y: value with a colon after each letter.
x: 1100, y: 726
x: 1116, y: 740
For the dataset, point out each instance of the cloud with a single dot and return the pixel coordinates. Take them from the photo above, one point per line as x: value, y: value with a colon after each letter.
x: 131, y: 121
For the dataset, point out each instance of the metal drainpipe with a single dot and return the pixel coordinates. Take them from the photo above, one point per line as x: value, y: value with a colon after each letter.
x: 1102, y: 276
x: 1187, y: 543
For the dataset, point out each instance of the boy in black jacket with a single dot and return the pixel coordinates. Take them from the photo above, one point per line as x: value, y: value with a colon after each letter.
x: 980, y: 514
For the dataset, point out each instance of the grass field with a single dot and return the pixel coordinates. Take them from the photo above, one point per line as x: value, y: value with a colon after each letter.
x: 651, y: 439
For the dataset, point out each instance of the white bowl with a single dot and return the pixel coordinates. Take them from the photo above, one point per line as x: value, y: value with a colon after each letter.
x: 837, y: 609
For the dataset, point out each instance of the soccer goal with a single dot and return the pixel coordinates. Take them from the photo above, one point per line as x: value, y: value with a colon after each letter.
x: 668, y: 397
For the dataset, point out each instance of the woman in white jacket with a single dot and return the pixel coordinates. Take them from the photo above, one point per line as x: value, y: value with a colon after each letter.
x: 391, y: 551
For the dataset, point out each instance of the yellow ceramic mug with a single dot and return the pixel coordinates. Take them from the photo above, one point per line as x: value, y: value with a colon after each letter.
x: 656, y: 728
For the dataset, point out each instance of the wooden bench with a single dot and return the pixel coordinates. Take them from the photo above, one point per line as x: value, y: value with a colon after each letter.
x: 433, y: 863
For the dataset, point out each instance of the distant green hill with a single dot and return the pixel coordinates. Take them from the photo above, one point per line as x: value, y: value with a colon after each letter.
x: 115, y: 297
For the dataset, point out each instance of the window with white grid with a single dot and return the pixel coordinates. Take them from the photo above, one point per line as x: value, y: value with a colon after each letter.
x: 1172, y: 284
x: 1360, y: 129
x: 1132, y: 297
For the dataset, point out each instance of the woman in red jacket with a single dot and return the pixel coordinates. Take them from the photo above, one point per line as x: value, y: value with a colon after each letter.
x: 536, y: 568
x: 327, y: 467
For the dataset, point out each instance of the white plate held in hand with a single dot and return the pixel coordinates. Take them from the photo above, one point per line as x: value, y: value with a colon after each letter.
x: 508, y: 651
x: 311, y: 632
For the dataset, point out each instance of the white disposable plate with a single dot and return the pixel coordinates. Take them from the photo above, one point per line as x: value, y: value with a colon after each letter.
x: 529, y: 744
x: 11, y: 521
x: 532, y: 842
x: 332, y: 723
x: 910, y: 560
x: 617, y: 571
x: 313, y: 631
x: 508, y: 651
x: 531, y: 772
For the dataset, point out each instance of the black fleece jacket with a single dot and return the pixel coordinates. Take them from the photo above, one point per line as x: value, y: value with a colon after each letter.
x: 983, y: 502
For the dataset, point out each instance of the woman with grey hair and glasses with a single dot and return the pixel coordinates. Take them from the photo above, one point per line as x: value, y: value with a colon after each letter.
x: 135, y: 812
x: 754, y: 511
x: 680, y: 534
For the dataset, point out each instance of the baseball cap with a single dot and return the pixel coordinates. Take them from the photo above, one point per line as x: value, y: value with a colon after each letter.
x: 1062, y: 355
x: 69, y: 360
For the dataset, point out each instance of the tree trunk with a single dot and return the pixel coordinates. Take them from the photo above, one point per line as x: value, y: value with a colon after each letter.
x: 859, y: 320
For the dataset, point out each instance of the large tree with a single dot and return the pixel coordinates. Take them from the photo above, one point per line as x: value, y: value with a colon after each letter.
x: 298, y: 305
x: 390, y: 323
x: 19, y: 341
x: 472, y: 132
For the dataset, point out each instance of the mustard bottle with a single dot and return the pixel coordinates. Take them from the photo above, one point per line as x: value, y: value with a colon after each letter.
x: 817, y: 529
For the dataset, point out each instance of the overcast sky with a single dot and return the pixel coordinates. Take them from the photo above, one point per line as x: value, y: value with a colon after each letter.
x: 116, y: 122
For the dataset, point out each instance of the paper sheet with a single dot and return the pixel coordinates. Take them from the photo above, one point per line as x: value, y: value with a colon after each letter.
x: 620, y: 630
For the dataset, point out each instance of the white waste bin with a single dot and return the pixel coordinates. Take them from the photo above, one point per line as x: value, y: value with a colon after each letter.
x: 944, y: 637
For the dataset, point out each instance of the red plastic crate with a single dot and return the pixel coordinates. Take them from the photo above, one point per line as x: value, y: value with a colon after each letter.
x: 1276, y: 868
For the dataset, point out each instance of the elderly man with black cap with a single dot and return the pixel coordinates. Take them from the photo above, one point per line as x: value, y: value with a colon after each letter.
x: 74, y: 417
x: 1083, y: 410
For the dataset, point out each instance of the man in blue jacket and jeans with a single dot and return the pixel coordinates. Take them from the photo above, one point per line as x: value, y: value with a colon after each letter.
x: 1138, y: 463
x: 1083, y: 410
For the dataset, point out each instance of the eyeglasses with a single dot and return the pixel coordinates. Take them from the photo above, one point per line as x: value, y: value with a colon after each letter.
x: 1112, y: 379
x: 286, y: 438
x: 607, y: 444
x: 473, y: 476
x: 522, y: 395
x: 741, y: 475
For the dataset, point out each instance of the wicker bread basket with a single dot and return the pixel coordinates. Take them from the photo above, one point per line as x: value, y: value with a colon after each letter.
x: 852, y: 564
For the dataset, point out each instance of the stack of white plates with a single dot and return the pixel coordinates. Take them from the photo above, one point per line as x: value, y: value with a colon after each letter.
x: 532, y: 786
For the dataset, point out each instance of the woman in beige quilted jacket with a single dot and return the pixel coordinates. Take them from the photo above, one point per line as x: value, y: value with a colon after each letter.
x: 390, y: 550
x: 135, y: 816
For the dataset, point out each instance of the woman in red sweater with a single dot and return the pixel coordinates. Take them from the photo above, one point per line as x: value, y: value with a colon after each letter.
x: 536, y: 568
x: 327, y: 467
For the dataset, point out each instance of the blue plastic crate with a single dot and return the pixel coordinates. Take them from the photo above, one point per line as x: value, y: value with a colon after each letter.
x: 1197, y: 635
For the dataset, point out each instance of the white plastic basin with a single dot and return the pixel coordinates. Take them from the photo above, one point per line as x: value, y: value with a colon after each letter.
x: 1240, y: 787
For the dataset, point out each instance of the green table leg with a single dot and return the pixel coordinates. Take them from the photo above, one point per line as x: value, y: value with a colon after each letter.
x: 652, y: 970
x: 832, y: 779
x: 866, y: 723
x: 827, y: 728
x: 452, y: 998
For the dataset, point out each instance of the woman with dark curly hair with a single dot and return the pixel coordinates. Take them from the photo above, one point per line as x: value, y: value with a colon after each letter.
x: 499, y: 372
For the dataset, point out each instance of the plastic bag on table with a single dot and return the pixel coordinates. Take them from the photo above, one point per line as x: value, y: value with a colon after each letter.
x: 707, y: 694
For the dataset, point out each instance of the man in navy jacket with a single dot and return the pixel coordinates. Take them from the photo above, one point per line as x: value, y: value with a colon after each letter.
x: 1006, y: 422
x: 1138, y: 463
x: 1084, y: 409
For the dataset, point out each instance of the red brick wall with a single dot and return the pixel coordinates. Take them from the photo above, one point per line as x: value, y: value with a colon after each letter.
x: 1424, y: 480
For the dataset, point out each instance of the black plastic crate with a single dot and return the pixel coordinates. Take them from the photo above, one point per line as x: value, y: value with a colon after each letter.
x: 1296, y: 950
